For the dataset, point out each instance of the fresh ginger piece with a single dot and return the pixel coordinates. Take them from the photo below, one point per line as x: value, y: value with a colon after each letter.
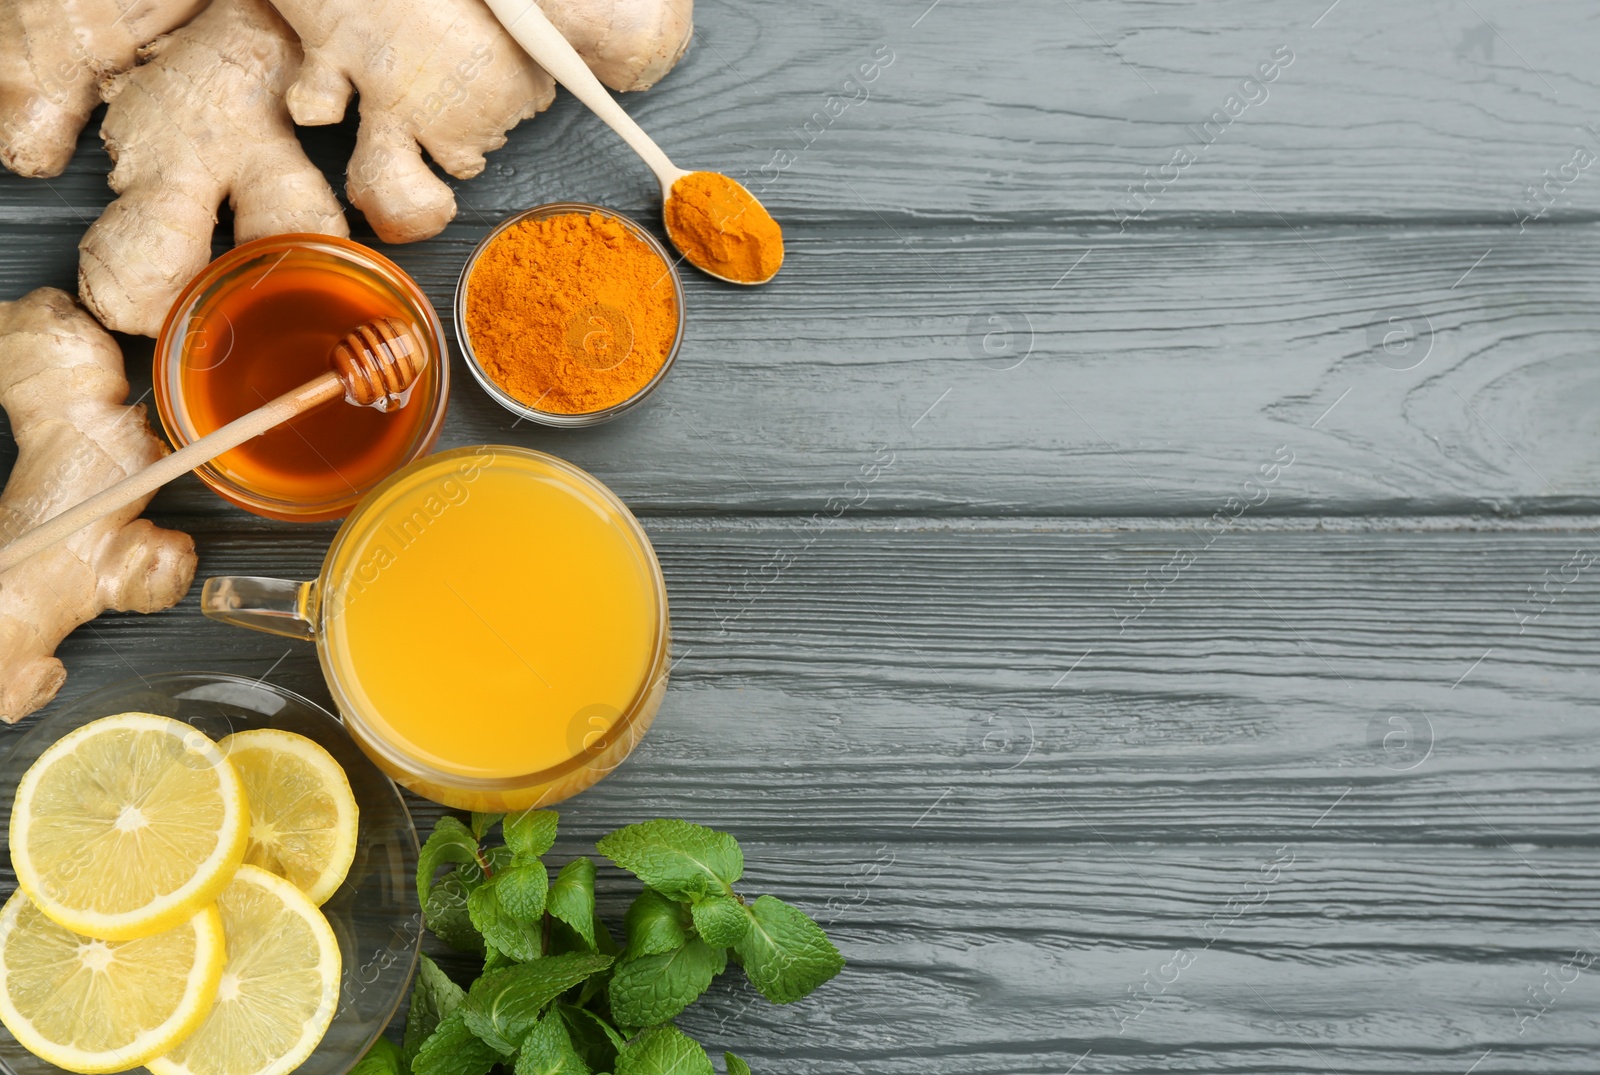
x: 200, y: 119
x: 442, y: 75
x: 53, y: 55
x: 62, y: 384
x: 628, y: 44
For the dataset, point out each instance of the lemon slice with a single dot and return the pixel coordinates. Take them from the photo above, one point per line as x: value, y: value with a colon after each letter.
x: 128, y: 826
x: 279, y: 989
x: 303, y: 817
x: 95, y: 1006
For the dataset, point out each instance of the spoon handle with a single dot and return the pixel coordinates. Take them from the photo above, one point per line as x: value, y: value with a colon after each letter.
x: 141, y: 483
x: 540, y: 39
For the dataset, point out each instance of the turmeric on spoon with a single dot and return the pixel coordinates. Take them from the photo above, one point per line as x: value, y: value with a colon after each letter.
x: 718, y: 225
x: 721, y: 228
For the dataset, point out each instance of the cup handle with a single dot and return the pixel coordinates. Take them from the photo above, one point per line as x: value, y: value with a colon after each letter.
x: 276, y: 606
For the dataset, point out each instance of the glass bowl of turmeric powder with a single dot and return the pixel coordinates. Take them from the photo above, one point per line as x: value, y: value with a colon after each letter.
x: 569, y: 314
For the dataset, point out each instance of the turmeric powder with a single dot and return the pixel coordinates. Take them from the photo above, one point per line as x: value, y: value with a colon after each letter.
x: 721, y: 227
x: 571, y: 314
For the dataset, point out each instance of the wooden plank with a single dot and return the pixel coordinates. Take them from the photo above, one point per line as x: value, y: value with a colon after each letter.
x: 1016, y: 763
x: 984, y: 957
x: 1028, y: 959
x: 1159, y: 377
x: 1037, y: 110
x: 935, y: 737
x: 993, y: 669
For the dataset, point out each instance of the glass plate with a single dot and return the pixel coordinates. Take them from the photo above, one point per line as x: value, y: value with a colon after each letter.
x: 374, y: 913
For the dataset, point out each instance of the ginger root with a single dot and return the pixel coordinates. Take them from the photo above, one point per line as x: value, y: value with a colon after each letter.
x: 442, y: 75
x: 628, y: 44
x: 62, y: 384
x: 202, y: 118
x: 52, y: 57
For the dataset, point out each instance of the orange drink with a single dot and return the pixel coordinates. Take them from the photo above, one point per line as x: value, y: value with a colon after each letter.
x: 491, y: 622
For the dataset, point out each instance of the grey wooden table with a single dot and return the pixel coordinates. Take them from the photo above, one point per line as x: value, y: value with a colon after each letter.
x: 1134, y: 572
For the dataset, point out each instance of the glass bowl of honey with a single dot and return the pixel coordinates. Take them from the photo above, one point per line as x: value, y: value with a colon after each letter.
x: 492, y: 622
x: 262, y: 319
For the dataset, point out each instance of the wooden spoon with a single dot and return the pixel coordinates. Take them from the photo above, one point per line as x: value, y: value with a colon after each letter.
x: 541, y: 40
x: 374, y: 366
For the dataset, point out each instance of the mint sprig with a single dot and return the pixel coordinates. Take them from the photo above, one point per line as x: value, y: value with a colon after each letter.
x: 444, y: 911
x: 663, y: 1050
x: 677, y: 859
x: 451, y: 841
x: 433, y: 998
x: 502, y: 1007
x: 656, y: 924
x: 453, y: 1049
x: 571, y: 899
x: 656, y: 988
x: 785, y: 954
x: 547, y: 1049
x: 531, y: 833
x: 721, y: 920
x: 557, y: 996
x: 513, y: 935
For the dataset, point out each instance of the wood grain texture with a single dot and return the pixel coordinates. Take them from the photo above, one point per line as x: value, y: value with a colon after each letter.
x: 1157, y: 378
x: 1001, y: 958
x: 1002, y: 853
x: 1420, y: 111
x: 1010, y: 642
x: 888, y: 664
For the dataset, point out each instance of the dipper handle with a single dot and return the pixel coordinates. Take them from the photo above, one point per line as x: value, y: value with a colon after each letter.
x: 374, y: 366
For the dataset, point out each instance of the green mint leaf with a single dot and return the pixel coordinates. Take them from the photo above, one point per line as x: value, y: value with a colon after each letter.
x: 571, y: 898
x: 655, y: 924
x: 384, y: 1058
x: 450, y: 841
x: 676, y: 858
x: 433, y: 997
x: 499, y: 858
x: 445, y: 913
x: 453, y: 1049
x: 521, y: 889
x: 592, y: 1036
x: 547, y: 1049
x: 561, y: 938
x: 531, y: 833
x: 735, y: 1065
x: 494, y: 959
x: 516, y: 937
x: 482, y: 823
x: 785, y: 954
x: 652, y: 989
x: 663, y: 1050
x: 603, y: 941
x: 503, y: 1006
x: 721, y: 920
x: 594, y: 987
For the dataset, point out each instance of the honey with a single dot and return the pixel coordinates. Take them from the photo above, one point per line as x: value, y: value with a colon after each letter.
x: 263, y: 320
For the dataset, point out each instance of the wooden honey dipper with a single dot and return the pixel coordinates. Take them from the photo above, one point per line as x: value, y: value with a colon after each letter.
x: 373, y: 366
